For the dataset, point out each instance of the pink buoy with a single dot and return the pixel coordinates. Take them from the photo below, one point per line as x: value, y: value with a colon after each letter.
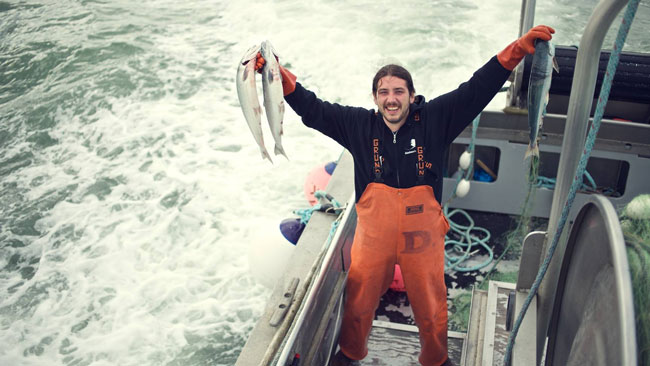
x: 317, y: 180
x: 398, y: 281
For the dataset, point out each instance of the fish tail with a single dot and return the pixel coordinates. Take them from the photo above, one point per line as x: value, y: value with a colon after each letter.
x: 265, y: 155
x: 533, y: 150
x: 280, y: 150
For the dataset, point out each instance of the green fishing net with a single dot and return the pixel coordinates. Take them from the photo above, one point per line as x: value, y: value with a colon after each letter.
x: 635, y: 223
x: 515, y: 237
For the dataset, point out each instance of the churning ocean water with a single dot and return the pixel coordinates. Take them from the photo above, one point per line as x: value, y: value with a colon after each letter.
x: 131, y: 190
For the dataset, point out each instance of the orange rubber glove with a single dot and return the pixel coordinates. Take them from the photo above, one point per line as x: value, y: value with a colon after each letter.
x: 510, y: 57
x: 288, y: 79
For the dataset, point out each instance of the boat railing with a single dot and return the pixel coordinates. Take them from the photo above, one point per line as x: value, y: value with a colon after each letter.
x: 314, y: 331
x: 298, y: 313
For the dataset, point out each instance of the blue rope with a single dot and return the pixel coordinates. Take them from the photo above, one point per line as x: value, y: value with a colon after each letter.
x: 468, y: 240
x: 305, y: 214
x: 335, y: 208
x: 577, y: 180
x: 333, y: 228
x: 546, y: 182
x: 467, y: 243
x: 323, y: 194
x: 472, y: 148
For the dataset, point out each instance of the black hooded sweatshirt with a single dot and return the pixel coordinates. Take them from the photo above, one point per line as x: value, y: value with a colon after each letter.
x: 429, y: 130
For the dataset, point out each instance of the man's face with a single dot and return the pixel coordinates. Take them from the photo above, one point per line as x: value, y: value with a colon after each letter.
x: 393, y: 99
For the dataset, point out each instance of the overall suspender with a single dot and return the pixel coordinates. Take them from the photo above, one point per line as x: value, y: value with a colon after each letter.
x: 420, y: 165
x: 377, y: 154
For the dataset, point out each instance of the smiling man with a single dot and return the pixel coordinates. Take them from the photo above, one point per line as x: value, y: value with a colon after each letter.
x: 398, y: 154
x: 393, y: 93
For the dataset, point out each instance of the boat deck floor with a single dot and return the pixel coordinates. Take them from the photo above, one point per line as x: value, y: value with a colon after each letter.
x: 395, y: 342
x: 398, y: 344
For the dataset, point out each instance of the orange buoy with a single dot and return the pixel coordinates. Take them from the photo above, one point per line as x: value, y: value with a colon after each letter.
x: 317, y: 180
x: 398, y: 281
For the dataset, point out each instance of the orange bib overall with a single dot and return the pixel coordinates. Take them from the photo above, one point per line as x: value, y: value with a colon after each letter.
x: 404, y: 226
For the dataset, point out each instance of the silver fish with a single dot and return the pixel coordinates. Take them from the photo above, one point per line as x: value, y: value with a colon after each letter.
x: 538, y: 89
x: 273, y: 95
x: 247, y: 93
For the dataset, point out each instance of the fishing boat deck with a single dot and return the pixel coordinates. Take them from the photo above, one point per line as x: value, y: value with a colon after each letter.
x: 394, y: 339
x: 398, y: 344
x: 618, y: 167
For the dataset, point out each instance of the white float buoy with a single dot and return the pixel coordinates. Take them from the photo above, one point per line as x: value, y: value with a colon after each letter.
x: 463, y: 188
x: 268, y: 252
x: 464, y: 160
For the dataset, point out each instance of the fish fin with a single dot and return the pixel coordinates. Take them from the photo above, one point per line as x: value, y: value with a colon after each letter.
x: 275, y: 53
x: 556, y: 67
x: 532, y: 151
x: 280, y: 150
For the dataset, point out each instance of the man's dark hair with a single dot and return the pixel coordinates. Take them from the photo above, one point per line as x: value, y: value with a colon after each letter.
x: 393, y: 70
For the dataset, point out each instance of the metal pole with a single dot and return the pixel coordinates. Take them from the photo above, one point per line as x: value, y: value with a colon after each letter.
x: 575, y: 130
x: 525, y: 23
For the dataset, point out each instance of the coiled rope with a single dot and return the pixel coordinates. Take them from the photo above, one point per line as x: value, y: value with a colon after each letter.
x: 471, y: 235
x: 630, y: 11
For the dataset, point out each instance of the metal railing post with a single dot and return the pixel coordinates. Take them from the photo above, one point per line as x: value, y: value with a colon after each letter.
x: 525, y: 23
x: 575, y: 130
